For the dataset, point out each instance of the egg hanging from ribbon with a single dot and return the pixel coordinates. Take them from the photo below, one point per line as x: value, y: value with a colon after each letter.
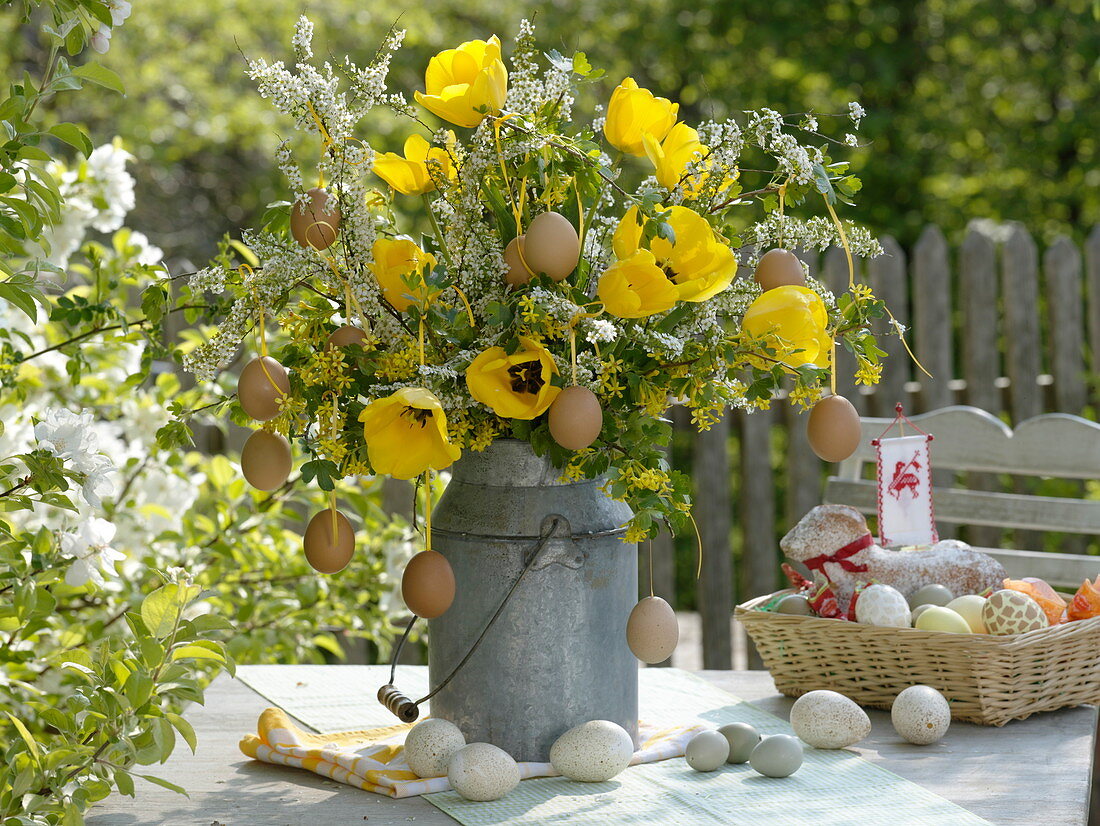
x: 517, y: 273
x: 326, y: 551
x: 552, y: 246
x: 345, y: 335
x: 315, y: 223
x: 428, y: 584
x: 652, y: 631
x: 265, y: 460
x: 834, y: 429
x: 262, y: 383
x: 779, y: 268
x: 575, y: 418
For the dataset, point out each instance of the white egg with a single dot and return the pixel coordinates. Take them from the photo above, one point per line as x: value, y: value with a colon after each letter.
x: 592, y: 752
x: 430, y: 745
x: 777, y: 756
x: 828, y: 720
x: 707, y: 750
x: 481, y: 771
x: 742, y: 739
x: 920, y: 714
x: 969, y: 607
x: 882, y: 605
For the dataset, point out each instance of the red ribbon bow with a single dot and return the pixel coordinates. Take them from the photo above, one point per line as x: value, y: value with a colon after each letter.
x: 840, y: 557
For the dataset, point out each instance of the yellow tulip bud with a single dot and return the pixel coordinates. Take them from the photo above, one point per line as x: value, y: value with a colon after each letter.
x: 395, y: 259
x: 634, y: 114
x: 406, y: 433
x: 515, y: 386
x: 466, y: 84
x: 793, y: 320
x: 636, y: 287
x: 410, y: 175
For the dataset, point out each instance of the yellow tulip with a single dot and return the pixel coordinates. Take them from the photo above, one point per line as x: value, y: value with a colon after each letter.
x: 697, y: 262
x: 515, y: 386
x: 394, y: 260
x: 635, y: 114
x: 406, y: 433
x: 671, y: 156
x: 409, y: 175
x: 793, y: 320
x: 466, y: 84
x: 635, y: 287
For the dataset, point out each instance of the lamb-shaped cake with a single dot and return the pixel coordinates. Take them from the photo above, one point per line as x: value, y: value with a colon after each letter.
x: 834, y: 540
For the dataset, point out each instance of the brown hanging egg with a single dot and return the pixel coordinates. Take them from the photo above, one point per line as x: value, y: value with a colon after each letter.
x: 315, y: 224
x: 348, y: 334
x: 576, y: 418
x: 428, y: 584
x: 259, y: 390
x: 833, y: 429
x: 517, y: 273
x: 779, y: 268
x: 552, y: 246
x: 265, y: 460
x: 324, y: 554
x: 652, y: 631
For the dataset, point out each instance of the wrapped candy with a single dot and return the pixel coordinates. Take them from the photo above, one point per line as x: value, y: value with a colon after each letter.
x: 1086, y: 602
x: 1052, y: 604
x: 824, y: 603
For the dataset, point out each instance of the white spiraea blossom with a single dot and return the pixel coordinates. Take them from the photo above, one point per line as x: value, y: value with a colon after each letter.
x: 89, y: 546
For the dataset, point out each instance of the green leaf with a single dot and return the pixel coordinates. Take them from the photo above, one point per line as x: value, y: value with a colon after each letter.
x: 194, y: 651
x: 161, y: 609
x: 74, y: 136
x: 124, y: 782
x: 139, y: 688
x: 159, y: 781
x: 26, y: 735
x: 100, y: 75
x: 185, y: 729
x: 21, y: 298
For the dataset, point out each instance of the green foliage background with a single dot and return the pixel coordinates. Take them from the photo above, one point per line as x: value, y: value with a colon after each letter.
x: 975, y: 109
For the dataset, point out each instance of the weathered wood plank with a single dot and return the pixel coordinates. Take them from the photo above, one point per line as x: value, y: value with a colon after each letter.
x: 714, y: 516
x: 1092, y: 279
x: 1020, y: 289
x: 932, y: 317
x: 834, y: 270
x: 890, y: 283
x: 1065, y: 299
x: 1065, y: 571
x: 759, y: 552
x: 804, y: 477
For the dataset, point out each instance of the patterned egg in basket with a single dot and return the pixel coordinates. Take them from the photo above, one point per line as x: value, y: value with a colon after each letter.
x: 1011, y: 612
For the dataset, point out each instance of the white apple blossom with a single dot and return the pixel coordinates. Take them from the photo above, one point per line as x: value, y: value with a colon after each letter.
x: 89, y: 545
x: 120, y: 10
x: 101, y: 39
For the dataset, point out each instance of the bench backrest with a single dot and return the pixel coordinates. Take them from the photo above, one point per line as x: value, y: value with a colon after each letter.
x: 969, y: 439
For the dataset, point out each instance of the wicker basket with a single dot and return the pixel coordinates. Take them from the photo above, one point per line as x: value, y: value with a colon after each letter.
x: 988, y: 680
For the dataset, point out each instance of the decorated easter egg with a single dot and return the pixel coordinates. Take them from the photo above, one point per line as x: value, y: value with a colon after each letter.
x: 428, y: 584
x: 348, y: 334
x: 794, y: 604
x: 652, y: 631
x: 829, y: 720
x: 777, y: 756
x: 482, y: 772
x: 920, y: 714
x: 833, y: 429
x: 707, y: 750
x: 316, y: 223
x: 517, y: 273
x: 882, y: 605
x: 592, y: 752
x: 324, y: 551
x: 779, y: 268
x: 939, y: 618
x: 742, y: 739
x: 1011, y: 612
x: 551, y: 245
x: 969, y: 607
x: 262, y: 382
x: 430, y: 745
x: 265, y: 460
x: 575, y: 418
x: 935, y: 594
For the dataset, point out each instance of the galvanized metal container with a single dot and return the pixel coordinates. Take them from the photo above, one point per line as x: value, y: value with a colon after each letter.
x: 557, y: 656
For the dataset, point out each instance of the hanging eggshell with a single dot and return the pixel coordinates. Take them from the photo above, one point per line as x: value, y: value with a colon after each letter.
x: 969, y: 607
x: 345, y: 335
x: 551, y: 245
x: 742, y: 739
x: 777, y: 756
x: 833, y: 429
x: 920, y: 714
x: 592, y: 752
x: 259, y: 389
x: 883, y: 606
x: 576, y: 418
x: 324, y: 554
x: 652, y: 631
x: 265, y: 460
x: 428, y: 584
x: 517, y: 273
x: 1011, y: 612
x: 315, y: 224
x: 430, y: 745
x: 935, y: 594
x: 828, y: 719
x: 707, y: 750
x: 779, y: 268
x: 482, y: 772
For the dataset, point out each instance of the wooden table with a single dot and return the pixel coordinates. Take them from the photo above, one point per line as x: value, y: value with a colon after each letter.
x: 1029, y: 772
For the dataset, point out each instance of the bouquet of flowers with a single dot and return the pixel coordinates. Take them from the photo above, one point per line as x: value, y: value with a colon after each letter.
x: 518, y: 271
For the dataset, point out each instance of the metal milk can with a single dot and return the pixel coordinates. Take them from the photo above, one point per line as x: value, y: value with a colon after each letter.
x: 557, y: 656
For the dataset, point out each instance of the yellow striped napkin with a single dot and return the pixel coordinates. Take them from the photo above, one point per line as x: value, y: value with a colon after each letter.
x: 374, y: 759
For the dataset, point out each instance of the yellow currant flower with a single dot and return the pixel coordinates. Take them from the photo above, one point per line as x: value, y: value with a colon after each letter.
x: 696, y: 262
x: 635, y: 287
x: 394, y: 260
x: 466, y: 84
x: 515, y: 386
x: 634, y: 114
x: 406, y: 433
x: 794, y: 318
x: 671, y: 156
x: 409, y: 175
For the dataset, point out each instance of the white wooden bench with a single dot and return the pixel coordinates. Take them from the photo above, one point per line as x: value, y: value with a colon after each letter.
x: 969, y: 439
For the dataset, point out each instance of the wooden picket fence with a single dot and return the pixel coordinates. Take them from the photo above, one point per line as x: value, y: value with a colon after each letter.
x: 998, y: 326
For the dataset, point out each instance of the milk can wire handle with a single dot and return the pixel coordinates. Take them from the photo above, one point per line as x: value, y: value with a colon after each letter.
x: 406, y: 709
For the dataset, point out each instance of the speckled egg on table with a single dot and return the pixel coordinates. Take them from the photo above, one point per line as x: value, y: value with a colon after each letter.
x: 430, y: 745
x: 482, y: 772
x: 920, y: 714
x: 882, y: 605
x: 829, y: 720
x: 1012, y: 612
x: 592, y: 752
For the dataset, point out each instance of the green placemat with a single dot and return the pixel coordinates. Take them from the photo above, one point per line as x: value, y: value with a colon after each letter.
x: 833, y: 788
